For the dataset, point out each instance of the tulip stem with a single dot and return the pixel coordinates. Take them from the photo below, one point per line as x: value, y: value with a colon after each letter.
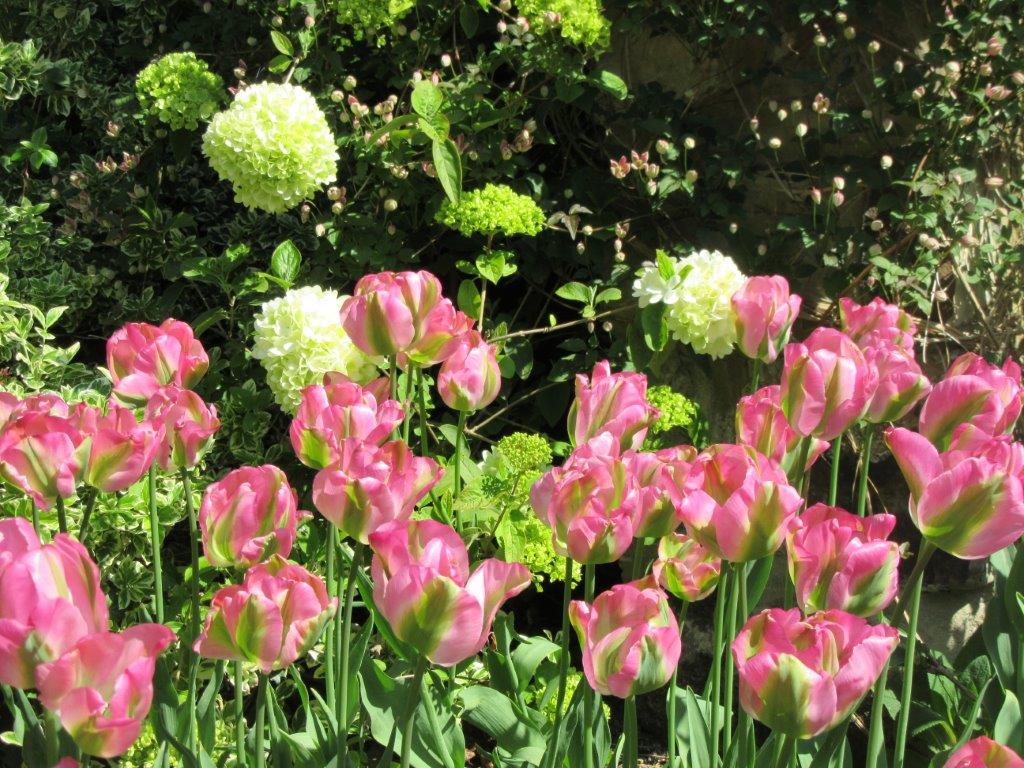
x: 36, y: 525
x: 154, y: 540
x: 833, y: 483
x: 755, y: 377
x: 460, y: 441
x: 563, y: 657
x: 785, y: 755
x: 330, y: 687
x: 744, y: 725
x: 421, y: 397
x: 630, y: 728
x: 670, y: 714
x: 588, y: 693
x: 737, y: 572
x: 51, y: 732
x: 874, y: 749
x: 261, y: 713
x: 62, y: 516
x: 239, y: 716
x: 410, y: 379
x: 415, y: 694
x: 83, y: 529
x: 358, y: 551
x: 914, y: 587
x: 193, y: 529
x: 716, y: 661
x: 865, y: 467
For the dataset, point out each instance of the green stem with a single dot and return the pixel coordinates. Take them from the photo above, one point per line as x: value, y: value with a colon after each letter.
x: 154, y: 541
x: 716, y: 662
x: 83, y: 529
x: 874, y: 749
x: 261, y: 714
x: 833, y: 483
x: 786, y: 754
x: 670, y: 713
x: 410, y: 720
x: 460, y: 441
x: 865, y: 467
x: 51, y: 732
x: 330, y: 688
x: 745, y: 725
x: 421, y: 406
x: 563, y: 657
x: 193, y: 529
x: 410, y: 378
x: 393, y: 376
x: 35, y: 520
x: 62, y: 517
x: 916, y: 579
x: 358, y: 553
x: 239, y: 717
x: 630, y: 728
x: 736, y: 575
x: 799, y: 470
x: 755, y: 377
x: 588, y: 693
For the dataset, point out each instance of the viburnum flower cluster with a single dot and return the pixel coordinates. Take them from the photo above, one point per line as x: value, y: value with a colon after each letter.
x: 493, y: 209
x: 179, y: 90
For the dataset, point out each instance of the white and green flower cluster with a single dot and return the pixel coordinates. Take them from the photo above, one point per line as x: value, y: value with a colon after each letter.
x: 579, y: 21
x: 697, y: 293
x: 179, y: 90
x: 493, y: 209
x: 274, y: 145
x: 298, y: 338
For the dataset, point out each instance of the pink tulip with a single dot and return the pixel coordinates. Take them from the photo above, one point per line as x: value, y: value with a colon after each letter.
x: 685, y: 568
x: 800, y: 676
x: 102, y: 688
x: 370, y: 486
x: 982, y: 752
x: 388, y: 312
x: 41, y: 449
x: 660, y: 476
x: 826, y: 384
x: 247, y: 516
x: 12, y: 407
x: 969, y: 500
x: 843, y: 562
x: 67, y: 762
x: 337, y: 410
x: 469, y: 378
x: 765, y: 311
x: 121, y: 449
x: 590, y: 503
x: 877, y: 324
x: 439, y: 331
x: 975, y: 392
x: 423, y: 587
x: 611, y: 402
x: 50, y: 598
x: 142, y: 358
x: 630, y: 639
x: 271, y: 619
x: 737, y: 503
x: 762, y: 425
x: 188, y: 426
x: 901, y: 384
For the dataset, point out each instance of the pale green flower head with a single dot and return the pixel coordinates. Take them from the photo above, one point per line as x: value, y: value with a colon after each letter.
x: 493, y: 209
x: 368, y: 16
x: 524, y: 451
x: 179, y: 90
x: 680, y: 420
x: 298, y: 338
x: 579, y: 21
x: 274, y: 145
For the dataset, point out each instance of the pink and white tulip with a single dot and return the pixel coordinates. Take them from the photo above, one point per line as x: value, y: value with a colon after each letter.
x: 188, y: 425
x: 591, y: 503
x: 611, y: 402
x: 142, y: 358
x: 974, y: 392
x: 801, y: 677
x: 968, y: 501
x: 660, y: 476
x: 102, y: 688
x: 738, y: 503
x: 843, y: 562
x: 423, y: 587
x: 826, y: 384
x: 120, y: 448
x: 50, y: 598
x: 630, y: 639
x: 469, y: 378
x: 271, y: 619
x: 371, y: 486
x: 877, y: 324
x: 247, y: 516
x: 765, y: 311
x: 901, y: 383
x: 337, y: 410
x: 388, y: 312
x: 982, y: 752
x: 685, y: 568
x: 762, y: 425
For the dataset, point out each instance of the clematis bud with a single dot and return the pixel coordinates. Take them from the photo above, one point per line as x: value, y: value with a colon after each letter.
x: 762, y: 425
x: 877, y: 324
x: 141, y: 358
x: 247, y: 516
x: 388, y: 311
x: 337, y: 410
x: 370, y: 486
x: 843, y: 562
x: 120, y: 448
x: 611, y: 402
x: 765, y: 311
x: 969, y: 500
x: 630, y: 639
x: 469, y: 378
x: 801, y: 677
x: 826, y: 384
x: 685, y: 568
x: 188, y: 426
x: 901, y: 384
x: 737, y: 503
x: 423, y: 587
x: 271, y: 619
x: 982, y: 752
x: 102, y: 689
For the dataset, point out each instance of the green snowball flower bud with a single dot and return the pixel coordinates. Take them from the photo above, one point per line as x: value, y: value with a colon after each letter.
x: 493, y: 209
x: 581, y: 22
x: 180, y: 90
x: 524, y: 452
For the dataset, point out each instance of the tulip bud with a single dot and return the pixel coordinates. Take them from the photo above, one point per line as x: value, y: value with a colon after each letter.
x: 615, y: 403
x: 188, y: 426
x: 765, y: 312
x: 469, y: 378
x: 141, y: 358
x: 685, y: 568
x: 982, y: 752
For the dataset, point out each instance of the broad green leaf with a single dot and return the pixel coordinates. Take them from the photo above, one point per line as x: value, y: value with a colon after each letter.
x: 614, y: 84
x: 285, y: 262
x: 448, y: 164
x: 494, y: 713
x: 575, y: 292
x: 426, y: 99
x: 282, y: 43
x: 1008, y: 728
x: 654, y: 326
